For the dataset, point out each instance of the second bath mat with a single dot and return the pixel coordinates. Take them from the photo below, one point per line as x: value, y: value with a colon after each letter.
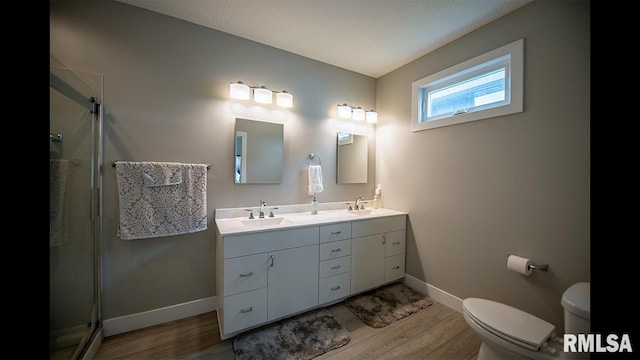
x: 386, y: 305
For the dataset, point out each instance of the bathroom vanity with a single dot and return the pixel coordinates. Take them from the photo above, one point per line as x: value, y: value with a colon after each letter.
x: 274, y: 267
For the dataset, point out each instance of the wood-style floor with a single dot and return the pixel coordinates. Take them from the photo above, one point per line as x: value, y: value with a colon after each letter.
x: 436, y: 333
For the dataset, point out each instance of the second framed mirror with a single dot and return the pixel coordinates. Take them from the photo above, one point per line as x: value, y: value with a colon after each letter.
x: 352, y: 158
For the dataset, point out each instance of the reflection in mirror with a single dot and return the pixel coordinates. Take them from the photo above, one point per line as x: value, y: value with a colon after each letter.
x: 352, y: 158
x: 259, y: 152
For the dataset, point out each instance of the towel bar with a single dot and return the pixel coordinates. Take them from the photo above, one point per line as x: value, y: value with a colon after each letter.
x: 313, y: 157
x: 113, y: 164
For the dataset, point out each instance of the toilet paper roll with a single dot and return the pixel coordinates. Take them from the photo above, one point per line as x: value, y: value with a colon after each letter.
x: 519, y: 265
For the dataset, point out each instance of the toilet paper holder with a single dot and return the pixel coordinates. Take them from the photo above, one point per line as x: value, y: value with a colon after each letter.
x: 534, y: 266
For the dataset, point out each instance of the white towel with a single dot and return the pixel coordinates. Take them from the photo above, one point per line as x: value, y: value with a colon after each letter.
x: 162, y: 175
x: 58, y: 174
x: 315, y: 179
x: 161, y: 199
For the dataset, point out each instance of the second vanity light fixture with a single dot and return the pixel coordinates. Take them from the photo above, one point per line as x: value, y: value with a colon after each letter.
x: 238, y: 90
x: 357, y: 113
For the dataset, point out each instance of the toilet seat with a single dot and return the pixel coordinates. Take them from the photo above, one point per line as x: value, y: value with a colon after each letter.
x: 511, y: 324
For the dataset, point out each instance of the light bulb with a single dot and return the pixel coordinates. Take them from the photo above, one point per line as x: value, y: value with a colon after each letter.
x: 358, y: 114
x: 262, y: 95
x: 344, y: 111
x: 372, y: 116
x: 284, y: 99
x: 239, y: 91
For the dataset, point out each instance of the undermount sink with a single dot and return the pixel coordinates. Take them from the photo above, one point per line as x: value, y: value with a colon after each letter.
x: 265, y: 221
x: 361, y: 212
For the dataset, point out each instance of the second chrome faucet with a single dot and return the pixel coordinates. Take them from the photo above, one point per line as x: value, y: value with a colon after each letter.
x: 262, y: 206
x: 358, y: 204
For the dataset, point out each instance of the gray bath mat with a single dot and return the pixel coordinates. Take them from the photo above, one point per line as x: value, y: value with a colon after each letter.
x: 302, y: 337
x: 386, y: 305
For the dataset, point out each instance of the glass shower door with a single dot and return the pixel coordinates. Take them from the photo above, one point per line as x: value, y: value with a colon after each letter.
x: 74, y: 217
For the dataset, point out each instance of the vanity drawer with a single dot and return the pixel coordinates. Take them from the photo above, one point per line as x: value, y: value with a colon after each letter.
x: 334, y: 287
x: 335, y: 266
x: 335, y: 232
x: 378, y: 226
x: 244, y: 310
x: 395, y: 242
x: 394, y: 267
x: 335, y: 249
x: 245, y: 273
x: 265, y: 241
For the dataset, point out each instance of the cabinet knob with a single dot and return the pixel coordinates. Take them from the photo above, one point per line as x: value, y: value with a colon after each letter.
x: 335, y: 288
x: 335, y: 250
x: 336, y: 232
x: 246, y: 274
x: 335, y: 267
x: 396, y: 267
x: 246, y: 310
x: 396, y: 243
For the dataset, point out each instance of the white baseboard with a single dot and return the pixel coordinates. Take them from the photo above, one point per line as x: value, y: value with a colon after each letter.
x: 145, y: 319
x: 158, y: 316
x: 433, y: 292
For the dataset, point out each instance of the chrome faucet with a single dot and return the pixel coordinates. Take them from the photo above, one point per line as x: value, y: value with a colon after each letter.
x: 358, y: 200
x: 262, y: 205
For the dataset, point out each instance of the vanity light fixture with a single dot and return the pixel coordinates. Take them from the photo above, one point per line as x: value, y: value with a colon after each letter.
x: 263, y: 95
x: 357, y: 113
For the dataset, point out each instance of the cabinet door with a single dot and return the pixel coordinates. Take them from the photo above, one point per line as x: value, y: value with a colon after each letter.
x: 334, y: 287
x: 335, y: 249
x: 395, y: 242
x: 292, y: 280
x: 335, y: 232
x: 367, y: 259
x: 394, y: 267
x: 244, y: 310
x: 245, y: 273
x: 335, y: 266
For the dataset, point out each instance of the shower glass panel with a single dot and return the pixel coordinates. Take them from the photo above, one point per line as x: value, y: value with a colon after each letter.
x: 75, y: 142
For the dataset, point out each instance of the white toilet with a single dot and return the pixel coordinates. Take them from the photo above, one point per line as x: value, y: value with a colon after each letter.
x: 510, y: 333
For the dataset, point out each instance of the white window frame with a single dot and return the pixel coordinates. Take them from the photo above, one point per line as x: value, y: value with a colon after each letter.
x: 512, y: 54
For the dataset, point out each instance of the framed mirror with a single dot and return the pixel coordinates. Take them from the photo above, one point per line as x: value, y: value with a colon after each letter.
x: 352, y: 158
x: 259, y: 152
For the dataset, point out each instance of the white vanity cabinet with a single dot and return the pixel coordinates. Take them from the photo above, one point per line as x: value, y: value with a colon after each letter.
x: 265, y: 276
x: 377, y: 252
x: 268, y: 274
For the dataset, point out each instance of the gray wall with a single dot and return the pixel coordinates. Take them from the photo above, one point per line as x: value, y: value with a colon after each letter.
x: 475, y: 192
x: 166, y: 98
x: 516, y: 184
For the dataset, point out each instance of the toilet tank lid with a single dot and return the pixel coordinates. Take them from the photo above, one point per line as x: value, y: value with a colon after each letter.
x: 577, y: 300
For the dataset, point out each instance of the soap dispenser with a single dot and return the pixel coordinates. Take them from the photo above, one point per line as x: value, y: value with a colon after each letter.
x: 377, y: 198
x: 314, y: 206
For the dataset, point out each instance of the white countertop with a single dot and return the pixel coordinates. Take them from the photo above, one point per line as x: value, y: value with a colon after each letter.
x: 238, y: 225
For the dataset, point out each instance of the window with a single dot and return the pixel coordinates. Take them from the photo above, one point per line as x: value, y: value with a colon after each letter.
x: 486, y: 86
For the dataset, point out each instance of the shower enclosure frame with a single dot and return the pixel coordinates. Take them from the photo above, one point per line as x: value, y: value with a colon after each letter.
x: 88, y: 346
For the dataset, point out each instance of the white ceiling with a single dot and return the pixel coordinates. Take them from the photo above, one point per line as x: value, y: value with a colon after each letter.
x: 371, y: 37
